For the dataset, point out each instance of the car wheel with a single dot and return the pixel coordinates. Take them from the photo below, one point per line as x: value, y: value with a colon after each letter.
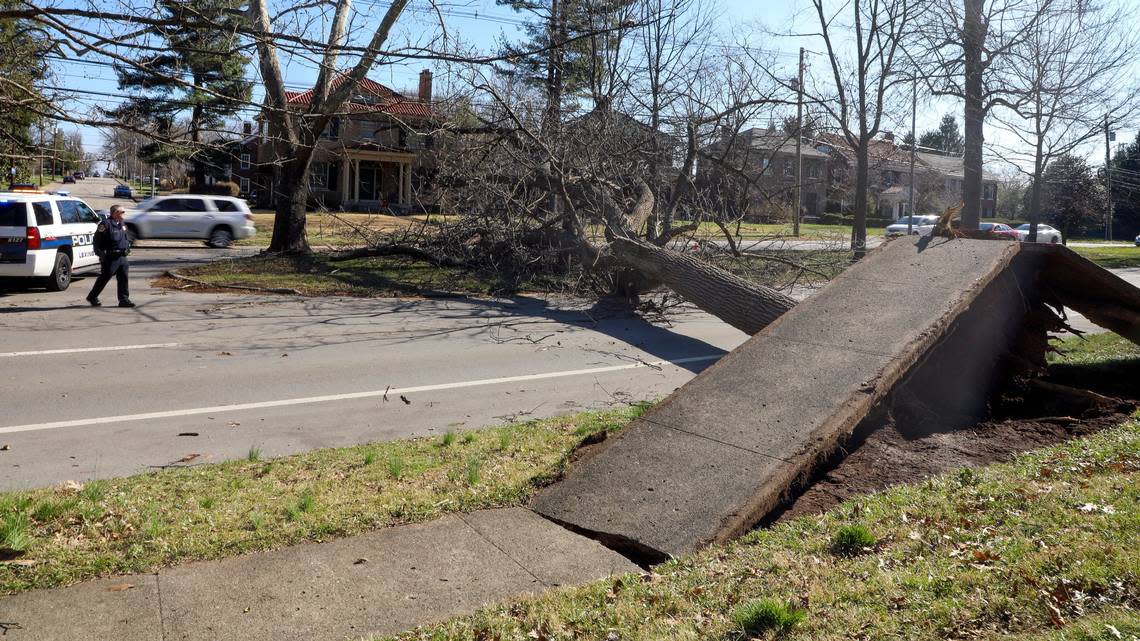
x: 60, y: 276
x: 220, y: 238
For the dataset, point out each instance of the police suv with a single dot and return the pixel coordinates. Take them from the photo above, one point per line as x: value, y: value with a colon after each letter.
x: 45, y: 236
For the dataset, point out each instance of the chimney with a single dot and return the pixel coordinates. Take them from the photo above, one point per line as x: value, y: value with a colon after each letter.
x: 425, y: 86
x: 247, y: 128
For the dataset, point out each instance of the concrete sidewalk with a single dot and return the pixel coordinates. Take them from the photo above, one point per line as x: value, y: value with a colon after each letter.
x: 379, y: 583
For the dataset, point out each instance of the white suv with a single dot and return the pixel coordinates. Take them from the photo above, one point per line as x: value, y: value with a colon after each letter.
x: 218, y: 220
x: 45, y: 236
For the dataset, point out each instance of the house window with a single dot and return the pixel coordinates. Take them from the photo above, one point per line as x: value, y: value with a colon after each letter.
x: 245, y: 161
x: 813, y: 170
x: 245, y: 185
x: 331, y: 130
x: 789, y: 168
x: 318, y: 175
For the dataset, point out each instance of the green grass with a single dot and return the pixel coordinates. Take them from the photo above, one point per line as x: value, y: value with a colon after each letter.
x: 1111, y: 257
x: 1010, y: 551
x: 1097, y: 350
x: 850, y: 540
x: 140, y: 523
x: 808, y: 231
x: 764, y: 615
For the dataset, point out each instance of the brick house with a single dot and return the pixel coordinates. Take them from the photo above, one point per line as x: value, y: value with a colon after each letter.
x: 375, y: 156
x: 768, y: 158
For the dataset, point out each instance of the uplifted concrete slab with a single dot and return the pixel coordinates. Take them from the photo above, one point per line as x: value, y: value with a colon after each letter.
x: 722, y: 451
x: 379, y: 583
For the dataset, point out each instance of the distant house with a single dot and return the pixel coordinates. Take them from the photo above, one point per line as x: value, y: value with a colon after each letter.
x: 242, y: 166
x: 374, y: 156
x: 766, y: 159
x: 938, y: 178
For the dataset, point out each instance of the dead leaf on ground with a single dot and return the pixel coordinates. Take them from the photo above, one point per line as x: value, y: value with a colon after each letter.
x: 5, y: 447
x: 224, y: 354
x: 120, y: 587
x: 360, y: 561
x: 188, y: 458
x: 20, y: 562
x: 233, y: 423
x: 405, y: 399
x: 72, y: 485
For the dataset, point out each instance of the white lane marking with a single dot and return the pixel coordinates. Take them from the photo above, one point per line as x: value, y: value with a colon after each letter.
x: 78, y: 350
x: 345, y: 397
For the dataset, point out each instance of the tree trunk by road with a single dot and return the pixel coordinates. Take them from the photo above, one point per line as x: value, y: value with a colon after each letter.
x: 744, y: 305
x: 292, y: 195
x: 972, y: 42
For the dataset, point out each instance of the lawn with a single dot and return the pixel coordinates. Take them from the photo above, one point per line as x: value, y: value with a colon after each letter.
x: 808, y: 231
x: 386, y: 276
x: 339, y: 230
x: 1111, y: 257
x: 57, y: 536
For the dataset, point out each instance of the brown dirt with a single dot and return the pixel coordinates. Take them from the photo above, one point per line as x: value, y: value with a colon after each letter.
x: 890, y: 454
x: 890, y: 457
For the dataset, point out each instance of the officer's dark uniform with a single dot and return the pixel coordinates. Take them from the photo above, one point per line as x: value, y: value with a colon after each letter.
x: 111, y: 246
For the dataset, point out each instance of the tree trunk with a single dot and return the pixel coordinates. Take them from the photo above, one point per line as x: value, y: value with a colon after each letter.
x: 292, y: 195
x: 859, y: 224
x: 744, y: 305
x: 974, y: 38
x: 1035, y: 195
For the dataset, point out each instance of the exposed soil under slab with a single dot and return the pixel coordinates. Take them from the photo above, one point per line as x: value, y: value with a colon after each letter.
x: 891, y: 455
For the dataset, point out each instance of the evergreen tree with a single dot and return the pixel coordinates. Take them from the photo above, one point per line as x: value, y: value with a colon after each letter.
x: 1126, y: 190
x: 201, y: 73
x: 1072, y: 197
x: 561, y: 48
x: 946, y: 138
x: 22, y: 67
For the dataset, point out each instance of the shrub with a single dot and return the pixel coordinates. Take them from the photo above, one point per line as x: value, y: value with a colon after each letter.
x: 216, y: 189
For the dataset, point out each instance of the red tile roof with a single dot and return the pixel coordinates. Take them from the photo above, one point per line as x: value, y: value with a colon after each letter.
x: 387, y: 100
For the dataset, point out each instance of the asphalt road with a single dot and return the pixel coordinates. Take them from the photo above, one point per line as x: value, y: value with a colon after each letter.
x: 92, y: 393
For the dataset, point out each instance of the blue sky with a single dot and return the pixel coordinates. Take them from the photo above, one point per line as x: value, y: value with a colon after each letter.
x: 481, y: 23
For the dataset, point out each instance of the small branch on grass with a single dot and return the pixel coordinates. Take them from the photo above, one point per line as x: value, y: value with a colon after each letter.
x: 248, y: 288
x: 398, y: 250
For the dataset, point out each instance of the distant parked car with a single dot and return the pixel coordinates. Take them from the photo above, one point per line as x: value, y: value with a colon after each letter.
x: 1137, y: 241
x: 68, y: 180
x: 218, y: 220
x: 898, y: 228
x: 94, y: 174
x: 122, y: 191
x: 1045, y: 233
x: 1000, y: 229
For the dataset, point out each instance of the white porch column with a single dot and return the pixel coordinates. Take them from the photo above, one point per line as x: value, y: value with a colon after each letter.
x: 408, y: 183
x: 356, y: 184
x: 400, y: 188
x: 345, y: 163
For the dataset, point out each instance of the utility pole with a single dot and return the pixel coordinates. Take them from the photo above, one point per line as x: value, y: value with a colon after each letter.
x: 1107, y: 181
x: 41, y: 154
x: 913, y: 151
x: 799, y: 144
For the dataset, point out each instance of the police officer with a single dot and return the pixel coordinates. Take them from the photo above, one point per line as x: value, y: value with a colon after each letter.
x: 112, y: 244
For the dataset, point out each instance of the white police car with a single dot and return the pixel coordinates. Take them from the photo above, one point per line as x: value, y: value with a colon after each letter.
x: 45, y: 236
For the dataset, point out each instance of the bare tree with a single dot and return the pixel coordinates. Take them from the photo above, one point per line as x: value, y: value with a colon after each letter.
x: 1070, y: 74
x: 861, y: 83
x: 966, y: 52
